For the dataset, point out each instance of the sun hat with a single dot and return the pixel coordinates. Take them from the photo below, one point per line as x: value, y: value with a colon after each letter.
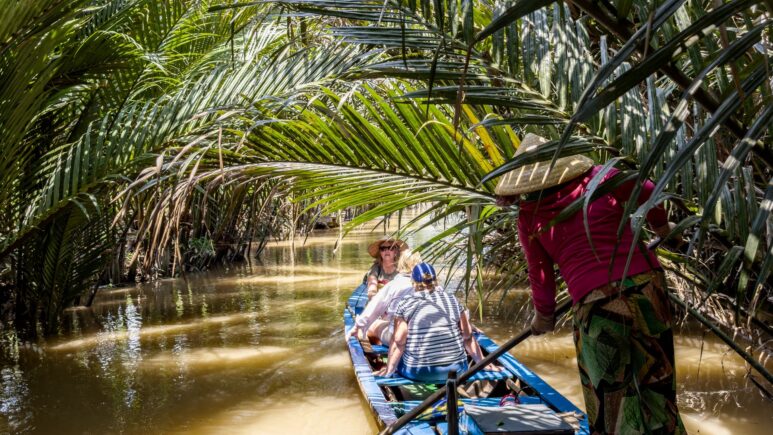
x: 374, y: 247
x: 424, y: 273
x: 535, y: 176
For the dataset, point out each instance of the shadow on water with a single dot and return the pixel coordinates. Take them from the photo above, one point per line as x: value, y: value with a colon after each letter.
x: 259, y: 349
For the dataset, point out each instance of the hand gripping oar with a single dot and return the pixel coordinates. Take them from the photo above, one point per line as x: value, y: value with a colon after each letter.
x: 434, y: 397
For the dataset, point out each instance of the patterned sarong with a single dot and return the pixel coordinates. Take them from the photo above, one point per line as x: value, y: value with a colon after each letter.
x: 625, y: 352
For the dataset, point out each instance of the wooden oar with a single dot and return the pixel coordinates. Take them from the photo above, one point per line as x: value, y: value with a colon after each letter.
x: 434, y: 397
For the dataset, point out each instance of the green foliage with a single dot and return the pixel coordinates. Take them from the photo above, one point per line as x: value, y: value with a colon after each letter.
x: 91, y: 94
x: 184, y: 123
x: 62, y: 260
x: 715, y: 56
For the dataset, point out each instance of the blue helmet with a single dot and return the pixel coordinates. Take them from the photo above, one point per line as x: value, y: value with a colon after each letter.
x: 423, y: 272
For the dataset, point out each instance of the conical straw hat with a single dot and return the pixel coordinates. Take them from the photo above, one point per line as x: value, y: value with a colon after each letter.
x: 535, y: 176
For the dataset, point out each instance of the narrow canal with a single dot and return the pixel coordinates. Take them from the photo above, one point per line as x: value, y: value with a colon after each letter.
x: 259, y: 349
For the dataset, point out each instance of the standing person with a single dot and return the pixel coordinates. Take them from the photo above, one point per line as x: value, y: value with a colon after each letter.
x: 431, y: 333
x: 622, y: 324
x: 385, y: 252
x: 376, y: 318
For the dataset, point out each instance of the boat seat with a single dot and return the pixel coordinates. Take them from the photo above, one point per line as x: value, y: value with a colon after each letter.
x: 523, y: 419
x: 483, y: 375
x: 379, y: 349
x: 370, y: 348
x: 439, y: 410
x: 407, y: 405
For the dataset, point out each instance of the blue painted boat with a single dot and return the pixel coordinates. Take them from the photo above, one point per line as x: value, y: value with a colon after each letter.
x: 541, y: 409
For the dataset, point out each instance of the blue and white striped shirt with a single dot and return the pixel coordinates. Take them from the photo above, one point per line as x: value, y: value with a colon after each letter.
x: 434, y: 337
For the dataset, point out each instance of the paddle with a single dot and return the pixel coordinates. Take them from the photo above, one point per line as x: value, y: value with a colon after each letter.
x: 434, y: 397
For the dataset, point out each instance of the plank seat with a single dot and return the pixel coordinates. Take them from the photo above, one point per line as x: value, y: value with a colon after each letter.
x: 379, y: 349
x: 483, y: 375
x: 485, y: 401
x: 403, y: 407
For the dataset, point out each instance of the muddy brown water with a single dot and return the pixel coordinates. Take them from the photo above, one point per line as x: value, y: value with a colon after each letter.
x: 258, y: 349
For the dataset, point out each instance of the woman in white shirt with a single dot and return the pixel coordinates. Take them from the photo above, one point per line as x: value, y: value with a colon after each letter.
x: 376, y: 318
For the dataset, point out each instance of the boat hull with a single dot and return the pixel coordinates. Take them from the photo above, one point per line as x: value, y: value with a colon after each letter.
x: 374, y: 389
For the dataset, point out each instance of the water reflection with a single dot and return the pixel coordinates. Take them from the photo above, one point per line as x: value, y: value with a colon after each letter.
x: 179, y: 350
x: 215, y: 358
x: 13, y: 397
x: 179, y: 305
x: 258, y: 349
x: 113, y: 335
x: 132, y: 354
x: 187, y: 356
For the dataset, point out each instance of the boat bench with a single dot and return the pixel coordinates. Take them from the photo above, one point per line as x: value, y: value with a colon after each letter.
x: 485, y: 416
x: 483, y: 375
x: 484, y: 401
x: 378, y: 349
x: 397, y: 380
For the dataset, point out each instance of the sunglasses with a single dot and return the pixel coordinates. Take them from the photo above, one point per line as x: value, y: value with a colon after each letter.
x: 388, y: 248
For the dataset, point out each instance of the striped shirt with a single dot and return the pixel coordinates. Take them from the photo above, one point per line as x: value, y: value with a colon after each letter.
x: 434, y: 337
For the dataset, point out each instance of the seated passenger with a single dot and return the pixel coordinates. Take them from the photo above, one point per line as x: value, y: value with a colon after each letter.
x: 377, y: 316
x: 431, y: 333
x: 386, y: 252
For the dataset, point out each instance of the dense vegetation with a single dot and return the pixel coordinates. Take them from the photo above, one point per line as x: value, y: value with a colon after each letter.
x: 145, y: 137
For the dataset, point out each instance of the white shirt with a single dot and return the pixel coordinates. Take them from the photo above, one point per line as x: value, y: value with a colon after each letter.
x: 384, y: 303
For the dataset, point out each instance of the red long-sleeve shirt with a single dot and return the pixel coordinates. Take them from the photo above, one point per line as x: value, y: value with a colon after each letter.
x: 566, y: 243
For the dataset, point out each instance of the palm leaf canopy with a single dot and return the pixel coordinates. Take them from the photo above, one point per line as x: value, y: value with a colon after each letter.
x: 386, y: 104
x: 664, y: 90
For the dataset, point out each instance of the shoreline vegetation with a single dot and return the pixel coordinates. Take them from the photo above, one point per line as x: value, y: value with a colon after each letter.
x: 144, y: 139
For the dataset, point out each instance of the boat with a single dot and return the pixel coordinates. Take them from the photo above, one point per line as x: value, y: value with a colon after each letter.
x: 530, y: 405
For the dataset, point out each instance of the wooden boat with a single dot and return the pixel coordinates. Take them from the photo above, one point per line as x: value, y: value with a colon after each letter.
x: 541, y: 409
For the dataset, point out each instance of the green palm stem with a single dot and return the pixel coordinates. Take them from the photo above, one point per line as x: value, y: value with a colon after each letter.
x: 722, y: 336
